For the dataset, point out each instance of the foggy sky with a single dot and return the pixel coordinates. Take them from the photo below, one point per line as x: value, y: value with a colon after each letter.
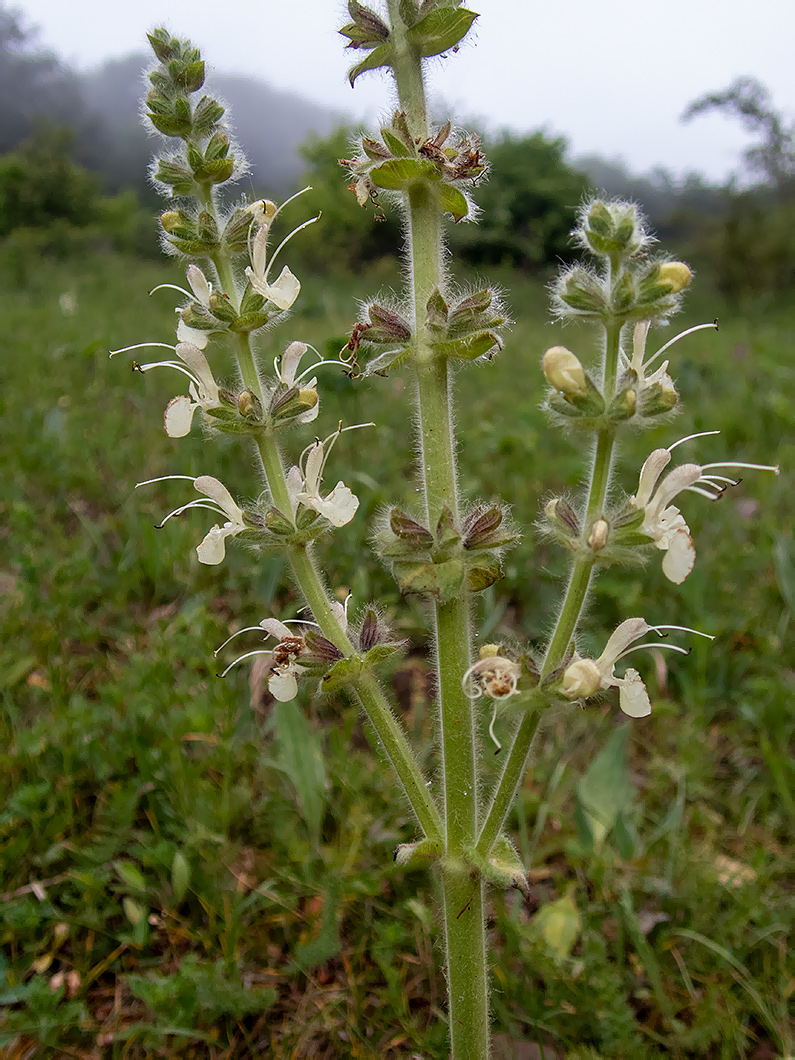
x: 611, y: 77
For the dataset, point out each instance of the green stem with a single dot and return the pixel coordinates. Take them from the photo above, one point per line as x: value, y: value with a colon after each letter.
x: 573, y: 600
x: 462, y: 889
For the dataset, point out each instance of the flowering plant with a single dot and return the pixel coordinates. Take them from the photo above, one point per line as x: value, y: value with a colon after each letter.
x: 446, y: 550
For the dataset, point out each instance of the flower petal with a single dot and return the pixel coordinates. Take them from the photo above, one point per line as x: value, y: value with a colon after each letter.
x: 649, y: 473
x: 186, y: 334
x: 179, y: 416
x: 217, y: 491
x: 290, y: 360
x: 313, y: 469
x: 680, y: 558
x: 213, y: 548
x: 630, y: 630
x: 284, y: 291
x: 197, y: 362
x: 283, y: 686
x: 633, y: 697
x: 340, y: 506
x: 275, y: 628
x: 199, y: 285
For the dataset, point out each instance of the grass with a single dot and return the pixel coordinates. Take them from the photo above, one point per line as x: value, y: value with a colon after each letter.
x: 190, y: 870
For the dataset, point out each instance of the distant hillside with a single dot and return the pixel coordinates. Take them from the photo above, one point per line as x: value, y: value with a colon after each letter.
x: 269, y: 123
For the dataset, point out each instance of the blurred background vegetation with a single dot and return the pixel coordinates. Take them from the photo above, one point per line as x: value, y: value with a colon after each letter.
x: 191, y: 870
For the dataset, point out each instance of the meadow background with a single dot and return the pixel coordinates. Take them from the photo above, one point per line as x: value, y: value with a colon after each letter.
x: 191, y: 870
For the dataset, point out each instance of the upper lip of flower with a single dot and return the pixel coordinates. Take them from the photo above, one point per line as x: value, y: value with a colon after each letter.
x: 216, y: 498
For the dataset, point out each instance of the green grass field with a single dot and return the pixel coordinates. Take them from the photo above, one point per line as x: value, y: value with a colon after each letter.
x: 190, y: 870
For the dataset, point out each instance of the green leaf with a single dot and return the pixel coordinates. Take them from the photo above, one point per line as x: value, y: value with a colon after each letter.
x: 440, y: 30
x: 131, y: 875
x: 396, y: 145
x: 344, y: 672
x: 470, y: 348
x: 300, y: 756
x: 606, y: 790
x: 454, y: 202
x: 399, y: 173
x: 390, y: 359
x: 180, y: 876
x: 380, y: 56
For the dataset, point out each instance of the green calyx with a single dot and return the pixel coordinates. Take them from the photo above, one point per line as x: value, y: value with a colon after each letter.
x: 450, y: 560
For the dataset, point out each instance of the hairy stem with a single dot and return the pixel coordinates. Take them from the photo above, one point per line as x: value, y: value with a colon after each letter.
x: 462, y: 888
x: 573, y: 601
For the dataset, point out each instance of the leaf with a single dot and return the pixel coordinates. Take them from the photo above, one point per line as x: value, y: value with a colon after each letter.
x: 390, y: 359
x: 398, y: 173
x: 327, y: 944
x: 454, y: 201
x: 395, y: 144
x: 300, y: 756
x: 344, y: 672
x: 470, y: 348
x: 380, y: 56
x: 131, y: 875
x: 440, y: 30
x: 606, y: 791
x: 558, y: 924
x: 180, y: 876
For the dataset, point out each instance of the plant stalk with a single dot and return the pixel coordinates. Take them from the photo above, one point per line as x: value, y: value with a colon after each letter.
x: 462, y: 888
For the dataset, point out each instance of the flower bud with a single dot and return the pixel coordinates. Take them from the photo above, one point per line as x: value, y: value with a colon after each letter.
x: 564, y: 371
x: 623, y: 405
x: 676, y: 275
x: 248, y: 405
x: 560, y: 512
x: 581, y: 679
x: 597, y: 539
x: 171, y: 220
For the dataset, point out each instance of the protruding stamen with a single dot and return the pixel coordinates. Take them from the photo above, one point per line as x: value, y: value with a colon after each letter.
x: 141, y: 346
x: 676, y: 338
x: 689, y: 438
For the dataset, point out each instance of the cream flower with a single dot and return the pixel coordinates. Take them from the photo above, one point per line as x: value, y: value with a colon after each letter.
x: 585, y: 677
x: 283, y: 666
x: 303, y: 483
x: 285, y: 289
x: 640, y: 364
x: 662, y: 520
x: 216, y: 498
x: 202, y: 389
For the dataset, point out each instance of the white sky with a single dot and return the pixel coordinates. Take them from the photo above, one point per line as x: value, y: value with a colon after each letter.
x: 613, y: 76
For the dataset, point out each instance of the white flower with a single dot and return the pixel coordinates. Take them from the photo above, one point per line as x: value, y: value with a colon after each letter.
x: 283, y: 659
x: 492, y: 675
x: 641, y: 365
x: 216, y: 498
x: 200, y: 291
x: 285, y: 289
x: 662, y: 521
x: 585, y: 677
x: 303, y: 483
x: 203, y: 389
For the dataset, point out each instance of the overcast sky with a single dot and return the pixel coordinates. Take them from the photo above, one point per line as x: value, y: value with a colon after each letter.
x: 612, y: 77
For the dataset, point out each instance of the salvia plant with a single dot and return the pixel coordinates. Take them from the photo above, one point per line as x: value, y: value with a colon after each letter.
x: 448, y: 548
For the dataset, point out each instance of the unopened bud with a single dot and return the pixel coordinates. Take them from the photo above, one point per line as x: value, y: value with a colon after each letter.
x: 248, y: 404
x: 308, y: 397
x: 560, y: 511
x: 488, y: 651
x: 564, y: 371
x: 623, y: 405
x: 263, y: 211
x: 170, y: 220
x: 597, y: 539
x: 581, y: 679
x: 676, y: 275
